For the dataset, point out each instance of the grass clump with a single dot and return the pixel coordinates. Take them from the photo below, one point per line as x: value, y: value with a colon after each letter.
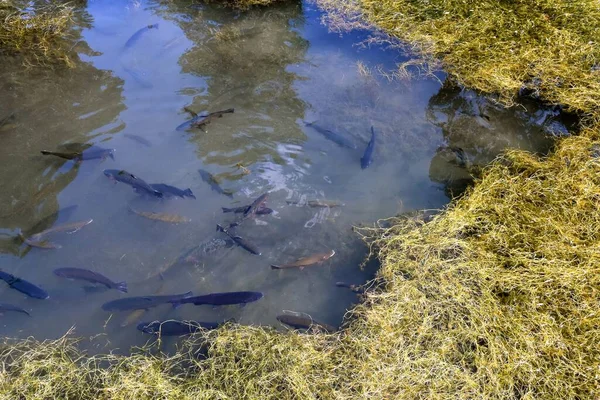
x: 496, y: 298
x: 549, y: 48
x: 36, y: 35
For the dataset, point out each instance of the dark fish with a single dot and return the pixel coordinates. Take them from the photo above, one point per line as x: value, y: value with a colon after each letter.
x: 333, y: 136
x: 252, y: 209
x: 222, y: 299
x: 200, y: 122
x: 307, y: 261
x: 305, y: 323
x: 243, y: 209
x: 9, y: 307
x: 23, y: 286
x: 367, y: 157
x: 169, y: 190
x: 240, y: 241
x: 138, y: 139
x: 137, y: 183
x: 143, y: 302
x: 175, y: 328
x: 195, y: 118
x: 91, y: 153
x: 136, y: 36
x: 354, y: 288
x: 90, y: 276
x: 214, y: 184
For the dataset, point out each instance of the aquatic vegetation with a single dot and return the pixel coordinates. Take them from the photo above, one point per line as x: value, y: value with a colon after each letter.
x: 37, y: 35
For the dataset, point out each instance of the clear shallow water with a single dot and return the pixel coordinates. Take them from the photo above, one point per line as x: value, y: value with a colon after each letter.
x: 277, y: 67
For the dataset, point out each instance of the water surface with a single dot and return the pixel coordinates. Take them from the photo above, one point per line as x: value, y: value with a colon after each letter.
x: 278, y: 68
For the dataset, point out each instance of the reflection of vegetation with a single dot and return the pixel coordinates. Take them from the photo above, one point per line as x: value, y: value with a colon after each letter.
x: 37, y: 31
x: 47, y: 108
x: 548, y: 47
x: 476, y: 131
x: 245, y: 60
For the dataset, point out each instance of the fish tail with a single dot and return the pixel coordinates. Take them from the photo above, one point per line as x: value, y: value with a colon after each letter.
x: 220, y: 228
x: 342, y: 284
x: 47, y: 153
x: 226, y: 210
x: 273, y: 266
x: 188, y: 192
x: 229, y: 110
x: 158, y: 193
x: 112, y: 155
x: 176, y: 304
x: 122, y: 286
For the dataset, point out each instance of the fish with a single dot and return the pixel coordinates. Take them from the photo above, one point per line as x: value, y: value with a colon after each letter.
x: 214, y: 184
x: 240, y: 241
x: 222, y: 299
x: 136, y: 36
x: 92, y: 153
x: 63, y: 213
x: 335, y: 137
x: 138, y: 184
x: 24, y: 286
x: 243, y: 209
x: 170, y: 218
x: 367, y: 157
x: 9, y: 307
x: 90, y: 276
x: 195, y: 117
x: 354, y: 288
x: 305, y: 323
x: 69, y: 228
x: 169, y: 190
x: 40, y: 244
x: 135, y: 315
x: 200, y: 122
x: 319, y: 203
x: 307, y: 261
x: 37, y: 240
x: 138, y: 139
x: 175, y: 328
x: 252, y: 209
x: 143, y: 302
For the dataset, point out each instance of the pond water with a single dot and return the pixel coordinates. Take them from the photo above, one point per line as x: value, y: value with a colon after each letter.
x: 278, y: 68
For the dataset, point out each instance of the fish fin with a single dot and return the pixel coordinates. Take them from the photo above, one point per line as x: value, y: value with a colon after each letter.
x: 226, y: 210
x: 122, y: 286
x: 112, y: 155
x: 220, y: 228
x: 233, y: 225
x: 46, y: 152
x: 275, y: 266
x: 158, y: 194
x: 176, y: 305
